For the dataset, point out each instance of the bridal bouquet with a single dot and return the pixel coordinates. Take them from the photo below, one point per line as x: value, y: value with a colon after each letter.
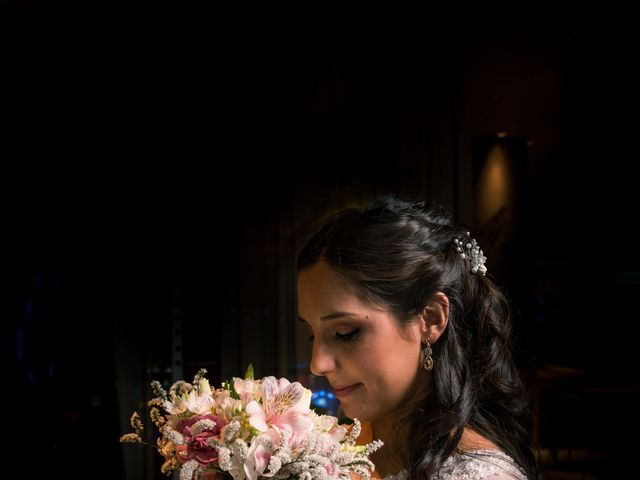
x: 250, y: 429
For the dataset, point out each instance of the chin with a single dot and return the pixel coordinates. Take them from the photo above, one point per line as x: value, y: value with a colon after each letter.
x: 355, y: 413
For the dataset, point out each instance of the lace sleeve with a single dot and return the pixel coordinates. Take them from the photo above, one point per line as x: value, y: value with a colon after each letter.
x: 503, y: 476
x: 475, y: 465
x: 480, y: 464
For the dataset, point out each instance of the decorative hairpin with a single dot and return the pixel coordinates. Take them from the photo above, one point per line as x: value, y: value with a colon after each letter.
x: 470, y: 250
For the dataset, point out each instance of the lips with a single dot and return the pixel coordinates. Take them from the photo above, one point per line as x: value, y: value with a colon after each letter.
x: 344, y: 391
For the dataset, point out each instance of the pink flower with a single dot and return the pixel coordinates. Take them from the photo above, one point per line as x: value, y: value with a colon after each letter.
x: 197, y: 431
x: 285, y: 406
x: 246, y: 389
x: 297, y: 440
x: 185, y: 426
x: 258, y: 459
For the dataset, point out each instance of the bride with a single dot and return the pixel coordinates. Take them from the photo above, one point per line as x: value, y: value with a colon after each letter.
x: 414, y: 340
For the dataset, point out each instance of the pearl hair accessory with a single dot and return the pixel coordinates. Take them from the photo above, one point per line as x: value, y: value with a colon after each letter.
x: 470, y: 250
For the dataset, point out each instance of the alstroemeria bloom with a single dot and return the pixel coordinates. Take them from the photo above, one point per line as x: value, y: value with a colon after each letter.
x: 285, y: 406
x: 258, y: 459
x: 191, y: 401
x: 246, y: 389
x: 224, y: 405
x: 329, y: 424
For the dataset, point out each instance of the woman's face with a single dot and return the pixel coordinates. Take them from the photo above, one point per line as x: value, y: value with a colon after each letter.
x: 371, y: 362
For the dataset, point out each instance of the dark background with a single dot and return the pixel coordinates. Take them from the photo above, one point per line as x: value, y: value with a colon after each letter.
x: 161, y: 168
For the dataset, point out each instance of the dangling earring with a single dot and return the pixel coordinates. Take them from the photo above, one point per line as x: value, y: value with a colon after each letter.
x: 428, y: 361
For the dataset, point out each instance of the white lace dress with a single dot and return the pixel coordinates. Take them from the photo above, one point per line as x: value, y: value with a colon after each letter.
x: 475, y: 465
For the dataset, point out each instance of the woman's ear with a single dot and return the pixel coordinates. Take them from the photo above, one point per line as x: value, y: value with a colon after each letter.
x: 435, y: 317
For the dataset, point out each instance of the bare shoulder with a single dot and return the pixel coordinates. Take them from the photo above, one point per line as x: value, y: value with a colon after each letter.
x: 472, y: 440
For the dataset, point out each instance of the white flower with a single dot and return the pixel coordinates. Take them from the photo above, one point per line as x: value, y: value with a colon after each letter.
x: 190, y: 401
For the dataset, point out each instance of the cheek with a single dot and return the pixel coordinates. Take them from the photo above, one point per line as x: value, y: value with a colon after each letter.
x: 390, y: 365
x: 399, y: 367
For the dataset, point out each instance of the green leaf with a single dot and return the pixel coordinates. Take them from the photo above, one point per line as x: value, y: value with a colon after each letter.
x: 233, y: 392
x: 229, y: 385
x: 249, y: 373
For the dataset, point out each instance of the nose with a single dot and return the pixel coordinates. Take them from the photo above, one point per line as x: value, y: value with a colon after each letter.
x: 322, y: 360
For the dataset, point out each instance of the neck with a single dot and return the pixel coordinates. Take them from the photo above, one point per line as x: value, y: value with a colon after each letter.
x: 394, y: 455
x: 389, y: 459
x: 382, y: 428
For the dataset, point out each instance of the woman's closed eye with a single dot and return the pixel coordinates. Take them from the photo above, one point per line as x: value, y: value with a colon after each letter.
x: 348, y: 336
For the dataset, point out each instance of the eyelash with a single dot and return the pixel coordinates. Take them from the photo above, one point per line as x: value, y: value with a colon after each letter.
x: 345, y: 337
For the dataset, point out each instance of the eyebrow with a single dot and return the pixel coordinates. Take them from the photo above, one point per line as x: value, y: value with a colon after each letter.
x: 332, y: 316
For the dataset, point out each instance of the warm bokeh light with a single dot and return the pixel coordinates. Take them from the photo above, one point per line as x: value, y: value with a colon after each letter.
x: 495, y: 185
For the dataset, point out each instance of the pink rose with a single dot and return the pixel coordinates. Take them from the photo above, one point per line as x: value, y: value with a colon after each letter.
x: 198, y: 447
x: 184, y: 427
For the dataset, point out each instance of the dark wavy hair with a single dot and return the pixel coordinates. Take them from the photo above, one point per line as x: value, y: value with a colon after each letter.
x: 400, y: 252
